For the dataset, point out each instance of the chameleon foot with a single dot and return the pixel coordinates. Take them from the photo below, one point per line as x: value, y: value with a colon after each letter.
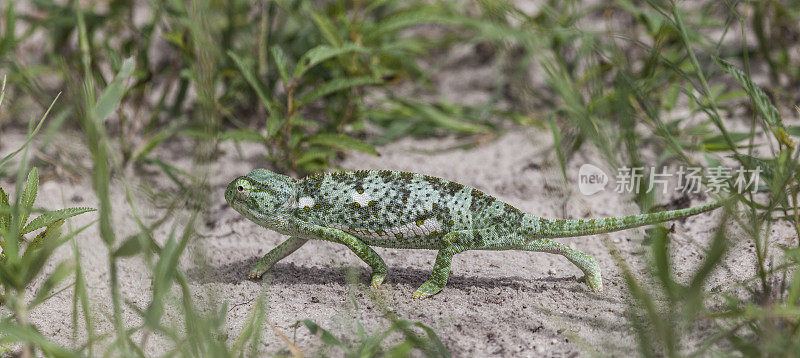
x: 284, y: 249
x: 595, y: 283
x: 256, y: 272
x: 593, y: 278
x: 377, y: 280
x: 427, y: 289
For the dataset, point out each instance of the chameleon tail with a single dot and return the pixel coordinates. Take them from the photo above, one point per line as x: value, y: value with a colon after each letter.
x: 566, y: 228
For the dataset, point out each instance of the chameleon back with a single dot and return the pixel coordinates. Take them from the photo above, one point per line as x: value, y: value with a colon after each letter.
x: 396, y: 209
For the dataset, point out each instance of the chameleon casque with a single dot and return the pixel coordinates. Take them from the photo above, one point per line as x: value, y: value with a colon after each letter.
x: 397, y: 209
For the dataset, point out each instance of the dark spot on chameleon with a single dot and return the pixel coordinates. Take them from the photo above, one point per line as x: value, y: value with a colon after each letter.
x: 478, y: 239
x: 420, y: 222
x: 385, y: 174
x: 398, y: 236
x: 453, y: 188
x: 361, y: 174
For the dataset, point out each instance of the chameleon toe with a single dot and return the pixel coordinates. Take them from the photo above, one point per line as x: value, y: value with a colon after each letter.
x: 254, y: 274
x: 377, y: 280
x: 426, y: 290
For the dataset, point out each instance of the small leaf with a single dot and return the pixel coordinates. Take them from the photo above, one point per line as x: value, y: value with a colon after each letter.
x: 420, y: 15
x: 52, y: 216
x: 52, y: 231
x: 28, y: 196
x: 335, y: 85
x: 793, y: 131
x: 282, y: 63
x: 327, y: 29
x: 5, y: 212
x: 8, y: 41
x: 670, y: 97
x: 343, y: 142
x: 718, y: 142
x: 165, y: 271
x: 31, y: 187
x: 321, y: 333
x: 314, y: 155
x: 274, y: 126
x: 61, y: 272
x: 444, y: 120
x: 12, y: 332
x: 763, y: 105
x: 113, y: 94
x: 321, y: 53
x: 130, y: 247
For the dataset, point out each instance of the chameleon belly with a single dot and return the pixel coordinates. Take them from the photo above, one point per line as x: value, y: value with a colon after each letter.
x: 419, y: 234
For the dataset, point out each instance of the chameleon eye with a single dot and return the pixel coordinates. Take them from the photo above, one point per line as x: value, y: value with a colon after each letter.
x: 243, y: 189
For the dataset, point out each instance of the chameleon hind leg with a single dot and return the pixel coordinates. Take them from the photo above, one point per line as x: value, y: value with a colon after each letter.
x: 278, y: 253
x: 362, y: 250
x: 452, y: 243
x: 586, y: 263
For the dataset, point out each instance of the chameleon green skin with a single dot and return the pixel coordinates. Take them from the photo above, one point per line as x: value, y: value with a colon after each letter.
x: 413, y: 211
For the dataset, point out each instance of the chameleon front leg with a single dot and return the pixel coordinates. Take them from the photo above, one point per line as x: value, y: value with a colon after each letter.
x: 366, y: 254
x: 362, y: 250
x: 586, y: 263
x: 278, y: 253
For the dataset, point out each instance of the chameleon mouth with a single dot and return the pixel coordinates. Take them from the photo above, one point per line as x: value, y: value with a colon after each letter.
x: 246, y: 211
x: 239, y: 207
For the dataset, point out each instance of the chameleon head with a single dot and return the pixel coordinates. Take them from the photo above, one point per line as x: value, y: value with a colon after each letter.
x: 260, y: 194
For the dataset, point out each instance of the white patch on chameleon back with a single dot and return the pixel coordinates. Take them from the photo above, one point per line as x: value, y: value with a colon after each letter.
x: 431, y: 225
x: 305, y: 201
x: 362, y: 199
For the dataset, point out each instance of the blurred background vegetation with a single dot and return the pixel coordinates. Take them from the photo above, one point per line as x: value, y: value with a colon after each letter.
x: 310, y: 80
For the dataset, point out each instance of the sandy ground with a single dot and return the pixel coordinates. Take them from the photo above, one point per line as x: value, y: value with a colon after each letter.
x: 503, y: 303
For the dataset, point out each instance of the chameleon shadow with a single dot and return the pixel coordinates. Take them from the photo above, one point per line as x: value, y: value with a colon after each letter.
x: 291, y: 274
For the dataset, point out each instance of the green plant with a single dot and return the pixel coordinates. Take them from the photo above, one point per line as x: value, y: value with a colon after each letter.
x: 23, y: 258
x: 314, y: 95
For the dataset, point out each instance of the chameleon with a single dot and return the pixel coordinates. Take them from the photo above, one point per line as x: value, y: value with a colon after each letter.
x: 396, y: 209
